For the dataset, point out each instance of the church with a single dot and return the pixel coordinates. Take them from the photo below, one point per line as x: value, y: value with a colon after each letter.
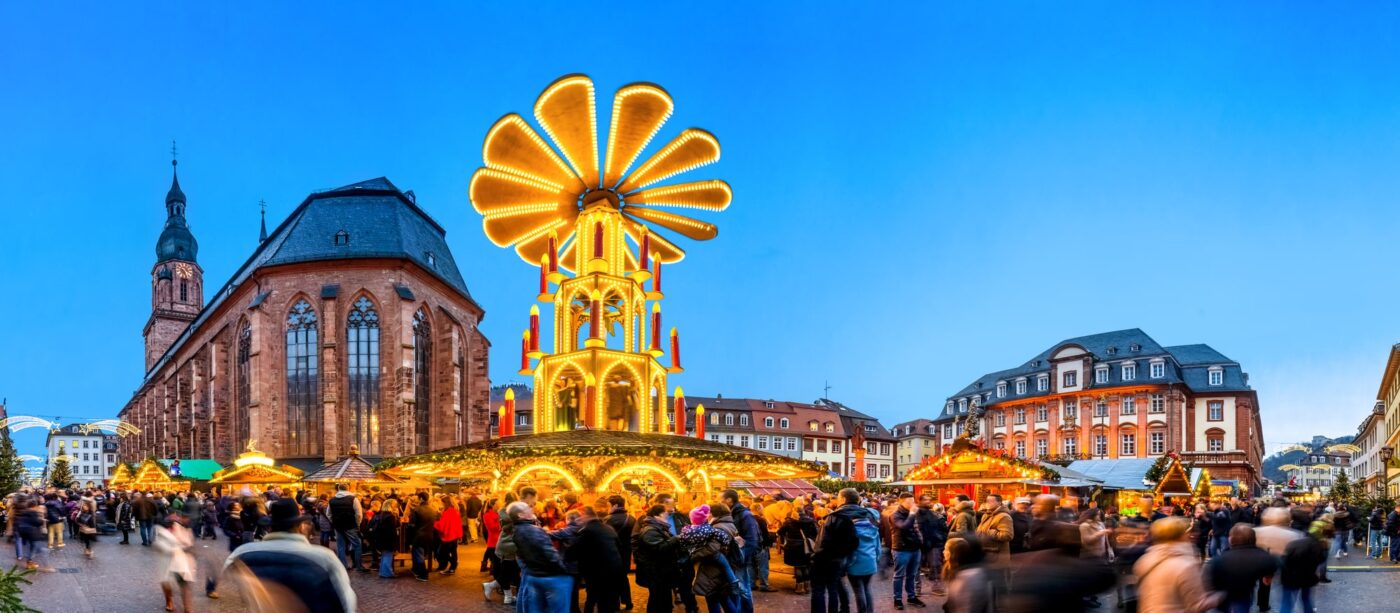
x: 349, y: 325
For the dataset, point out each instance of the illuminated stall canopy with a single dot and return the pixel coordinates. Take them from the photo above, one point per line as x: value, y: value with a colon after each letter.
x: 256, y: 469
x: 149, y: 476
x: 356, y: 472
x: 602, y: 461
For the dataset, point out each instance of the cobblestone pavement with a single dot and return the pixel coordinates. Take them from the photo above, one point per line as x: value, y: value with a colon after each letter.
x: 123, y: 578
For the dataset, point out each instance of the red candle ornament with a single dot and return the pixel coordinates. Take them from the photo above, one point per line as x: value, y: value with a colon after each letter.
x: 699, y: 421
x: 643, y: 262
x: 680, y: 412
x: 590, y: 404
x: 598, y: 239
x: 656, y: 328
x: 525, y: 351
x: 675, y: 350
x: 501, y: 421
x: 509, y: 408
x: 595, y: 316
x: 534, y: 328
x: 656, y: 273
x: 553, y: 252
x: 544, y: 274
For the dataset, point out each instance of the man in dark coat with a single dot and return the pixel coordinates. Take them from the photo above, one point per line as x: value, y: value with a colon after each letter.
x: 934, y: 529
x: 1237, y: 570
x: 599, y: 564
x: 1020, y: 524
x: 1392, y: 529
x: 622, y: 524
x: 657, y: 561
x: 546, y: 584
x: 753, y: 539
x: 423, y: 537
x: 143, y: 509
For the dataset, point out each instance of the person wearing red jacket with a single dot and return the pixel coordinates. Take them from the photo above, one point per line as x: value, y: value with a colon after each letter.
x: 449, y: 528
x: 491, y: 525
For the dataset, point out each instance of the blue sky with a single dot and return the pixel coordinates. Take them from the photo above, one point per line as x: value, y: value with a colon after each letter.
x: 922, y: 194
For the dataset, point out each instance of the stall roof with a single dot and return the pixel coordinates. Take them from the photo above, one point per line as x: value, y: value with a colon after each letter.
x: 199, y: 469
x: 1118, y: 474
x: 791, y: 487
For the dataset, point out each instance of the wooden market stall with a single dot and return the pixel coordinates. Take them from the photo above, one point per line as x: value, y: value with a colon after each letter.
x: 151, y: 476
x: 255, y: 471
x: 121, y: 477
x: 970, y: 469
x: 359, y: 474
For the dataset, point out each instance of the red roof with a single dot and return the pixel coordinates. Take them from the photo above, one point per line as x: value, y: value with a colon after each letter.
x: 791, y: 487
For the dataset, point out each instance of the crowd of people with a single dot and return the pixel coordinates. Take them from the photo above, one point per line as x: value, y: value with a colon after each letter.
x: 561, y: 553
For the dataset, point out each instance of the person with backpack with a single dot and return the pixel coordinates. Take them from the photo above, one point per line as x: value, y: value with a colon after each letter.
x: 797, y: 537
x: 54, y: 512
x: 345, y: 515
x: 934, y: 529
x: 622, y: 524
x: 749, y: 542
x: 233, y: 526
x: 86, y: 523
x: 849, y: 544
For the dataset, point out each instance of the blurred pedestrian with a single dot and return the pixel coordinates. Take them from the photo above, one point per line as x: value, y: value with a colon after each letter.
x: 969, y: 585
x: 1169, y: 578
x: 174, y: 540
x: 797, y: 537
x: 1237, y: 570
x: 1301, y: 559
x: 906, y: 543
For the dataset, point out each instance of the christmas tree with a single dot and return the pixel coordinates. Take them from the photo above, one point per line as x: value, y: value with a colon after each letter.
x: 11, y: 468
x: 1341, y: 486
x: 60, y: 476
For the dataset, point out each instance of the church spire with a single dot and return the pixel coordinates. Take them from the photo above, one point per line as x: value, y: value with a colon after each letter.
x: 262, y: 212
x: 175, y: 198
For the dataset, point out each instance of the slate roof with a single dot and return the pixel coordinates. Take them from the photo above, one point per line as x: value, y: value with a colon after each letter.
x: 381, y: 222
x: 347, y: 468
x: 1185, y: 364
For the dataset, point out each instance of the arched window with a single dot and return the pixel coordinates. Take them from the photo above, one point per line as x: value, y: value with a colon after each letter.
x: 422, y: 369
x: 714, y: 419
x: 303, y: 397
x: 362, y: 374
x: 728, y: 419
x: 242, y: 430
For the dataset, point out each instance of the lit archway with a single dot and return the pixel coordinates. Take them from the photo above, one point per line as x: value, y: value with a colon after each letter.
x: 613, y: 474
x: 548, y: 467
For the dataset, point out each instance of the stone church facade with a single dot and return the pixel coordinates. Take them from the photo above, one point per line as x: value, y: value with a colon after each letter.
x: 350, y: 324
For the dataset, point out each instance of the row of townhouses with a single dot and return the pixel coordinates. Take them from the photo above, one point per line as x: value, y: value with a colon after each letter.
x: 823, y: 431
x: 1373, y: 465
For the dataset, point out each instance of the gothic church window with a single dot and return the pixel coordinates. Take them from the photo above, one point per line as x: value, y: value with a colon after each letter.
x: 362, y: 370
x: 242, y: 429
x: 422, y: 371
x: 303, y: 382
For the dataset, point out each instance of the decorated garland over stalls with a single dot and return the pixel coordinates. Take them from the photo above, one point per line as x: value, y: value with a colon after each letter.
x: 496, y: 454
x: 937, y: 466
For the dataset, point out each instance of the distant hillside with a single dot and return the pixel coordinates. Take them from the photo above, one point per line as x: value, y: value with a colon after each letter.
x: 1271, y: 463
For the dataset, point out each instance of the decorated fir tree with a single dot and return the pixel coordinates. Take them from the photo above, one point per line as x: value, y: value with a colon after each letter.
x: 11, y: 468
x: 1159, y: 468
x: 1341, y: 486
x: 60, y: 476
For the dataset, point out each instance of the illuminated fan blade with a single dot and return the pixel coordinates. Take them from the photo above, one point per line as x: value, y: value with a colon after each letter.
x: 639, y: 111
x: 513, y: 145
x: 535, y: 247
x: 713, y: 195
x: 692, y: 149
x: 514, y: 208
x: 566, y: 111
x: 692, y: 229
x: 664, y: 249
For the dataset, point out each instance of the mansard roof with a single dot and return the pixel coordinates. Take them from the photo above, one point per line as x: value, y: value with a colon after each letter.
x: 371, y: 219
x: 1185, y: 364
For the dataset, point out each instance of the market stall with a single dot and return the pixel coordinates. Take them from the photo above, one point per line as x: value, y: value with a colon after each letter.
x: 255, y: 471
x: 121, y: 477
x: 151, y: 476
x: 359, y: 475
x: 592, y: 462
x: 970, y: 469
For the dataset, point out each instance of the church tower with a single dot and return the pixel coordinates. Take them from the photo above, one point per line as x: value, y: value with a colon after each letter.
x: 177, y: 281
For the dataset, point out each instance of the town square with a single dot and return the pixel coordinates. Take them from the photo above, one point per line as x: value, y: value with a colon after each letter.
x: 1016, y: 308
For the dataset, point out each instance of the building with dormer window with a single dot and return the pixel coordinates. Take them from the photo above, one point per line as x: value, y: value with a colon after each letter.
x: 1118, y: 395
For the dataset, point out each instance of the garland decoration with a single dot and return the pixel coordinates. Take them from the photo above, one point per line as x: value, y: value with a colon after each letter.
x: 935, y: 467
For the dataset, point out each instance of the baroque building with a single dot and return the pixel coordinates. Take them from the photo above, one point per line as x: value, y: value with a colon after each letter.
x: 350, y: 324
x: 1118, y: 395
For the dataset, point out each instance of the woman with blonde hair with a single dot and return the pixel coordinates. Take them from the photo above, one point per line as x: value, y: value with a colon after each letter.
x: 384, y: 536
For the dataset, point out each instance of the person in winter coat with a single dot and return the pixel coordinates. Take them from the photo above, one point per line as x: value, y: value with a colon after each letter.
x: 849, y: 542
x: 749, y: 542
x: 1375, y: 533
x: 1237, y: 570
x: 996, y: 531
x: 209, y: 520
x: 968, y: 583
x: 321, y: 523
x: 1220, y: 523
x: 1300, y: 562
x: 233, y: 526
x: 31, y: 530
x: 657, y: 564
x: 384, y: 536
x: 1392, y: 532
x: 711, y: 541
x: 1053, y: 578
x: 907, y: 543
x: 125, y: 522
x: 506, y: 574
x: 622, y: 524
x: 1169, y: 578
x: 55, y: 513
x: 491, y: 533
x: 547, y: 585
x: 934, y: 528
x: 599, y: 564
x: 449, y: 528
x: 1200, y: 530
x: 86, y: 523
x: 175, y: 541
x: 797, y: 536
x: 1020, y: 524
x: 964, y: 522
x: 423, y: 537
